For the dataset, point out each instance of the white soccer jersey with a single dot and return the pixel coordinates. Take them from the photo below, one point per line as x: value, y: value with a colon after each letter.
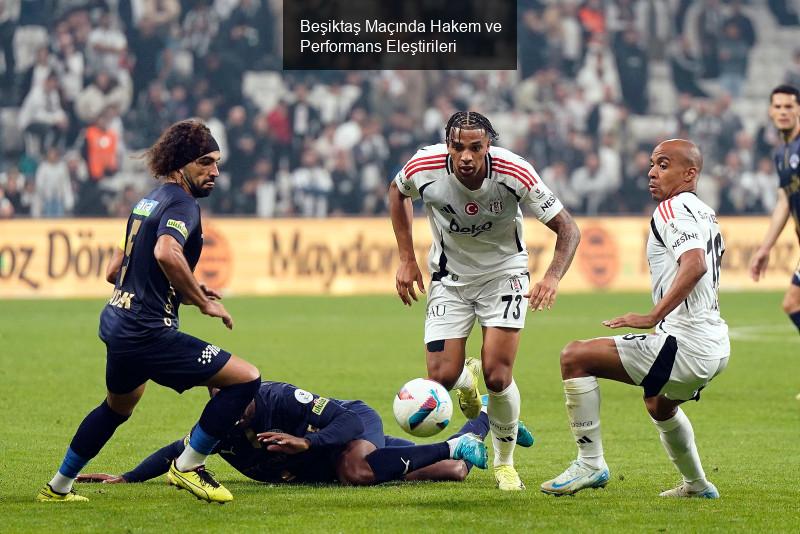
x: 477, y: 235
x: 681, y: 223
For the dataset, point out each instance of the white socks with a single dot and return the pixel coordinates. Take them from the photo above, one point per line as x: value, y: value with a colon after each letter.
x: 189, y: 459
x: 677, y: 436
x: 61, y: 484
x: 583, y: 411
x: 503, y: 411
x: 465, y: 380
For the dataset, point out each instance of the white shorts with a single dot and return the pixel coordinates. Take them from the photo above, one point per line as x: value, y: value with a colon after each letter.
x: 659, y: 364
x: 452, y: 310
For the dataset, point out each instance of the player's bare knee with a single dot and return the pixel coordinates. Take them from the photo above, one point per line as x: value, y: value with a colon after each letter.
x: 356, y: 474
x: 444, y: 375
x: 497, y: 378
x: 660, y: 409
x: 572, y: 360
x: 790, y: 304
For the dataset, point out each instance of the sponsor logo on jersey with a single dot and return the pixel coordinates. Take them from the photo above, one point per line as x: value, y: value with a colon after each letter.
x: 303, y: 396
x: 145, y: 207
x: 794, y: 161
x: 548, y: 203
x: 121, y: 299
x: 436, y: 311
x: 209, y: 352
x: 180, y: 226
x: 539, y: 193
x: 447, y: 210
x: 474, y: 230
x: 471, y: 208
x: 496, y: 206
x: 683, y: 238
x: 319, y: 405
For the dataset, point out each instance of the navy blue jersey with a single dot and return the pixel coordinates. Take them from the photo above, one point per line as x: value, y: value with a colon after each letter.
x: 787, y: 162
x: 327, y: 423
x: 143, y: 297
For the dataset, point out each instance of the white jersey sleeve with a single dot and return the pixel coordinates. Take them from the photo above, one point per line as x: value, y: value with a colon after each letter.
x: 520, y: 176
x: 417, y: 172
x: 678, y: 228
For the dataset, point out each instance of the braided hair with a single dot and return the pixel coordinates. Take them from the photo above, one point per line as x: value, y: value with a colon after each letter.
x: 469, y: 120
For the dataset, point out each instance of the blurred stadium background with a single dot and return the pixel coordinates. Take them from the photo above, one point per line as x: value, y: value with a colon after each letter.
x: 88, y: 84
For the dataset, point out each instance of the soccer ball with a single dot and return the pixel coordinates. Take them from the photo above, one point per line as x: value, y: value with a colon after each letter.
x: 422, y: 407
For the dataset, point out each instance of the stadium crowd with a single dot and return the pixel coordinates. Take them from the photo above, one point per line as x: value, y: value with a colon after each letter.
x: 88, y: 84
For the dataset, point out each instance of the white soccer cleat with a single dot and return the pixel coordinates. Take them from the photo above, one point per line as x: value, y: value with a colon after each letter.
x: 685, y: 491
x: 578, y: 476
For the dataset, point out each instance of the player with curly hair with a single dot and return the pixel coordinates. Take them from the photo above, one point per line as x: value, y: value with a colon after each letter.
x: 139, y: 325
x: 473, y: 193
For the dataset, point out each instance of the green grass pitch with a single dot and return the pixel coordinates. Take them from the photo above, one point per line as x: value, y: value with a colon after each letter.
x: 747, y: 424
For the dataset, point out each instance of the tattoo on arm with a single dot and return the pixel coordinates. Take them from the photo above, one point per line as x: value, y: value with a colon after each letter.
x: 566, y: 243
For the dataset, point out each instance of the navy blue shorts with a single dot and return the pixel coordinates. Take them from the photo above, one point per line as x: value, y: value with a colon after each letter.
x: 165, y: 356
x: 373, y: 426
x: 796, y: 277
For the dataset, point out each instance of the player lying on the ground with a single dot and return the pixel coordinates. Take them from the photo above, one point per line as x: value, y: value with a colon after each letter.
x: 290, y: 435
x: 688, y: 348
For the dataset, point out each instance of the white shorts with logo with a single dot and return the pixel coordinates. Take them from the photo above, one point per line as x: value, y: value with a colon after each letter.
x: 659, y: 364
x: 451, y: 310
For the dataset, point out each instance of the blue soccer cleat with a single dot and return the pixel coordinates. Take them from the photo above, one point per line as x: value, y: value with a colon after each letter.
x: 577, y: 476
x: 471, y: 448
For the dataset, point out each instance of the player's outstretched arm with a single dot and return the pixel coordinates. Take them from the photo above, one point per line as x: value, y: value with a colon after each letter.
x: 169, y: 254
x: 543, y: 293
x: 760, y: 259
x: 402, y: 214
x: 691, y: 268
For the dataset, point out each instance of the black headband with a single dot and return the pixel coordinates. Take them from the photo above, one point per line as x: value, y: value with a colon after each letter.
x: 187, y: 152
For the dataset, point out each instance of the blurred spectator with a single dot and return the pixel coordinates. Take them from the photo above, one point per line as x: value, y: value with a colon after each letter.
x: 632, y: 65
x: 313, y: 185
x: 206, y: 112
x: 6, y: 208
x: 9, y: 15
x: 12, y: 183
x: 157, y: 13
x: 733, y: 56
x: 54, y: 197
x: 106, y: 46
x: 106, y: 90
x: 200, y: 27
x: 594, y: 184
x: 100, y: 146
x: 150, y: 116
x: 635, y: 184
x: 44, y: 65
x: 533, y: 43
x: 686, y: 68
x: 148, y: 44
x: 592, y: 18
x: 42, y: 118
x: 304, y: 121
x: 599, y: 72
x: 759, y: 187
x: 785, y: 12
x: 709, y: 21
x: 346, y: 195
x: 738, y: 18
x: 792, y: 75
x: 556, y: 176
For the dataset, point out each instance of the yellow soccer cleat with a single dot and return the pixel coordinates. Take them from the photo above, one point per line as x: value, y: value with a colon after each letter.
x: 507, y: 478
x: 46, y: 494
x: 199, y: 483
x: 469, y: 400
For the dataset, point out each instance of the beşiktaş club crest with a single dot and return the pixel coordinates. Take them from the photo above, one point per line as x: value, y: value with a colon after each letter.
x: 471, y: 208
x: 515, y: 283
x: 496, y: 206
